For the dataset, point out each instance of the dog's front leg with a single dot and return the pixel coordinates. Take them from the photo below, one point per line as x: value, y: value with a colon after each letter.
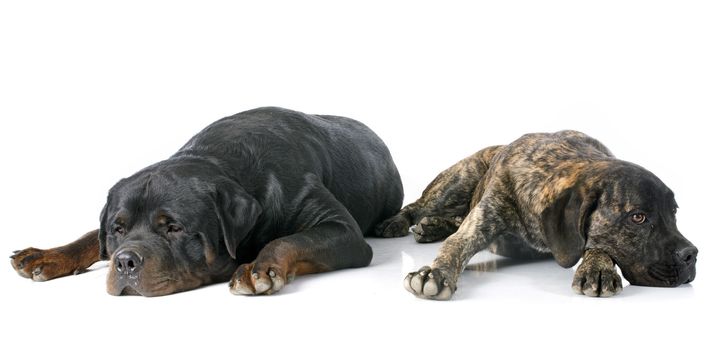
x: 596, y: 276
x: 47, y: 264
x: 330, y: 240
x: 477, y: 231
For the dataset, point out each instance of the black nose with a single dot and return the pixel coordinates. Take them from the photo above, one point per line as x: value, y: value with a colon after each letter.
x: 687, y: 255
x: 128, y: 262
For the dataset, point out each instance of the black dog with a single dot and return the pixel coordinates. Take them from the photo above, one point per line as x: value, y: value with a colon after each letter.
x: 560, y: 195
x: 268, y: 193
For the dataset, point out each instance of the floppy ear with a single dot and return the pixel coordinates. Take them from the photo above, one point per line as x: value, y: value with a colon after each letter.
x: 237, y: 214
x: 102, y: 233
x: 564, y: 223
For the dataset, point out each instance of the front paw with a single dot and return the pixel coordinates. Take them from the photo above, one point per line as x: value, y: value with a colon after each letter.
x: 250, y: 279
x: 596, y: 276
x: 430, y: 283
x: 41, y: 265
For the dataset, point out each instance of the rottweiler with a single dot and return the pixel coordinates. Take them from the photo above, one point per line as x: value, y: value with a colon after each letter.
x: 255, y: 198
x: 561, y: 195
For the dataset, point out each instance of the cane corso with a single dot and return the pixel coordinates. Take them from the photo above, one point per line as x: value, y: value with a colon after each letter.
x: 560, y: 195
x: 257, y: 198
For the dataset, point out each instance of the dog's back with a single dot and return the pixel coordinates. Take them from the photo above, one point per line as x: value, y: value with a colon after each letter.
x: 344, y: 154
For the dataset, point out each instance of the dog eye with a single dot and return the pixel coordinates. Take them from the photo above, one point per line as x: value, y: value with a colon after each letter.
x: 638, y: 218
x: 119, y: 230
x: 675, y: 211
x: 173, y: 228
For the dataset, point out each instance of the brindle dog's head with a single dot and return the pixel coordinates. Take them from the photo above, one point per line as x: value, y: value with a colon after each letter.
x: 629, y: 213
x: 164, y: 228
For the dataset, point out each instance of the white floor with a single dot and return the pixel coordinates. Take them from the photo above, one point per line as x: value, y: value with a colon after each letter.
x: 499, y: 303
x: 93, y: 91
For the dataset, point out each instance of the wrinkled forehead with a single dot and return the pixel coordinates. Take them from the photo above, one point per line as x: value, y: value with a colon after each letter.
x: 643, y: 193
x: 159, y: 194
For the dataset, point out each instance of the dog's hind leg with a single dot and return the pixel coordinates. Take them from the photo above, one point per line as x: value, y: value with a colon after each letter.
x: 47, y: 264
x: 444, y: 203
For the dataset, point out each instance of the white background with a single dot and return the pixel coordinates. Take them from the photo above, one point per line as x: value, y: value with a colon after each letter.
x: 91, y: 92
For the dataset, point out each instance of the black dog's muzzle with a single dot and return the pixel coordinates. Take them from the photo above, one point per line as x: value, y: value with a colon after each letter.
x: 680, y: 272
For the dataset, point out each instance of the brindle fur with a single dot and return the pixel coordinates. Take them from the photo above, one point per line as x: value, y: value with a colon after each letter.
x: 557, y: 195
x: 444, y: 203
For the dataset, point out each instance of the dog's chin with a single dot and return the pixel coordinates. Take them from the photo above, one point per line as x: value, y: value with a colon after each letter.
x: 659, y: 275
x: 117, y: 289
x: 128, y: 290
x: 122, y: 288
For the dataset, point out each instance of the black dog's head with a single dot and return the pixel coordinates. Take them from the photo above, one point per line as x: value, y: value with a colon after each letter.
x: 629, y: 213
x: 164, y: 228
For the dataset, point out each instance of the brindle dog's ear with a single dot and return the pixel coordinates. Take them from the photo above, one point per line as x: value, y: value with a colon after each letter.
x: 237, y: 213
x: 564, y: 224
x: 102, y: 233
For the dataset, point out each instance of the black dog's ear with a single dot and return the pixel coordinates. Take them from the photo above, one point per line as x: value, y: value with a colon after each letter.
x: 563, y: 225
x: 237, y: 213
x: 102, y: 233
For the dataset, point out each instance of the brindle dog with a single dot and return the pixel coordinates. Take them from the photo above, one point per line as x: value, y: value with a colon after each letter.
x: 560, y: 195
x: 268, y: 193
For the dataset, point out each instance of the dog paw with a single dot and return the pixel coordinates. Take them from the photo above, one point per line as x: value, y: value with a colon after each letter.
x: 430, y: 283
x: 41, y: 265
x: 596, y: 276
x: 250, y: 279
x: 395, y: 226
x: 432, y: 229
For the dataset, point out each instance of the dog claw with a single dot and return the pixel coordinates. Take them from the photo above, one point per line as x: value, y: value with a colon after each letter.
x: 429, y: 284
x: 415, y: 282
x: 260, y: 280
x: 41, y: 265
x: 596, y: 276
